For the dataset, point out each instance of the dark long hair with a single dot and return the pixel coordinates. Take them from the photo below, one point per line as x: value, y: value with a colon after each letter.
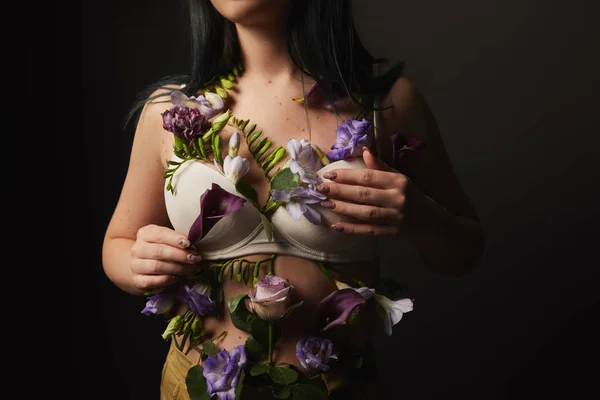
x: 322, y: 40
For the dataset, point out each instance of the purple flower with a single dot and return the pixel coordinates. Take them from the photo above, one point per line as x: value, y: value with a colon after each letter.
x: 215, y: 204
x: 401, y: 144
x: 222, y: 372
x: 186, y: 123
x: 303, y: 161
x: 316, y: 96
x: 350, y: 137
x: 271, y: 297
x: 207, y: 109
x: 298, y: 202
x: 315, y: 352
x: 159, y: 303
x: 335, y: 309
x: 197, y: 298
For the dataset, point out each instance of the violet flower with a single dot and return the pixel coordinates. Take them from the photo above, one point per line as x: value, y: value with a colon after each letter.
x: 335, y: 309
x: 186, y: 123
x: 401, y: 144
x: 215, y: 204
x: 299, y: 201
x: 350, y: 138
x: 315, y: 352
x: 271, y: 297
x: 206, y: 108
x: 303, y: 161
x: 222, y: 372
x: 235, y: 168
x: 159, y: 303
x: 316, y: 96
x: 197, y: 298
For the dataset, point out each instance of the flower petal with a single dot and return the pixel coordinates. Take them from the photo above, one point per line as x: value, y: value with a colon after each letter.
x: 336, y: 307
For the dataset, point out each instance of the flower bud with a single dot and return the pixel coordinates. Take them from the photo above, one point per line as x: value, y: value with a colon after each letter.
x: 215, y: 100
x: 234, y: 144
x: 174, y: 326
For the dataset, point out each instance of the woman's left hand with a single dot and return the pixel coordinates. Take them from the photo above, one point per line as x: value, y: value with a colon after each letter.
x: 377, y: 195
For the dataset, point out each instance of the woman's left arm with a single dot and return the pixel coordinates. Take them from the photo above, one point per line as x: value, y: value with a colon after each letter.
x: 419, y: 198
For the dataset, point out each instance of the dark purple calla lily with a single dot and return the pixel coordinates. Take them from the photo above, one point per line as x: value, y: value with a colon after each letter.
x: 215, y: 204
x: 335, y: 309
x: 316, y: 96
x: 401, y: 144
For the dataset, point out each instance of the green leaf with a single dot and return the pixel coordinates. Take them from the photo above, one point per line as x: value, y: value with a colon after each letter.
x: 221, y: 272
x: 259, y: 329
x: 240, y: 316
x: 259, y: 369
x: 306, y: 391
x: 196, y: 383
x: 246, y: 273
x: 262, y: 150
x: 254, y: 350
x: 254, y: 137
x: 240, y: 385
x: 282, y: 392
x: 284, y: 376
x: 210, y: 349
x: 238, y: 273
x: 285, y: 179
x: 247, y: 191
x: 258, y: 146
x: 267, y: 226
x: 231, y: 269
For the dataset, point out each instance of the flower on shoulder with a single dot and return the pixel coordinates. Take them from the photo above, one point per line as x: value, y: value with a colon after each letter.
x: 197, y: 298
x: 222, y: 372
x: 303, y: 161
x: 350, y: 138
x: 208, y: 106
x: 271, y: 297
x: 299, y: 201
x: 215, y: 204
x: 187, y: 124
x: 315, y: 352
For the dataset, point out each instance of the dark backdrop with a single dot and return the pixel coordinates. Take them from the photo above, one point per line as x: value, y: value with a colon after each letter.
x: 514, y: 87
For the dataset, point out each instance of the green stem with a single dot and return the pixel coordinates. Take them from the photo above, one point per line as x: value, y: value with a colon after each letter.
x: 219, y: 336
x: 270, y: 355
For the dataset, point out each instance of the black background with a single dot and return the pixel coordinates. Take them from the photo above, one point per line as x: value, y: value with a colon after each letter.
x: 515, y: 88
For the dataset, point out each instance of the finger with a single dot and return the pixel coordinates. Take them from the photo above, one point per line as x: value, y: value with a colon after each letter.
x: 367, y: 177
x: 164, y: 235
x: 375, y: 163
x: 154, y: 283
x: 366, y: 229
x: 363, y: 212
x: 158, y: 267
x: 362, y: 194
x: 164, y: 252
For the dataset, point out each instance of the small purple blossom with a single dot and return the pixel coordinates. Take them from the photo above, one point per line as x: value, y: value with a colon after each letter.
x: 299, y: 201
x: 186, y: 123
x: 335, y: 309
x: 350, y: 138
x: 215, y: 204
x: 315, y: 352
x: 222, y: 372
x: 197, y: 298
x: 303, y: 161
x: 159, y: 303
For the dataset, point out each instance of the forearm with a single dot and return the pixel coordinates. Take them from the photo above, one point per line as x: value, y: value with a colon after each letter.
x: 116, y: 260
x: 448, y: 244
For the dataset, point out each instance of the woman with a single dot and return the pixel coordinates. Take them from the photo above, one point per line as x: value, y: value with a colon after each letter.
x: 257, y: 189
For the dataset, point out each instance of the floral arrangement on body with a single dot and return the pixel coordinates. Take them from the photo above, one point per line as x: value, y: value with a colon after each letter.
x: 196, y: 123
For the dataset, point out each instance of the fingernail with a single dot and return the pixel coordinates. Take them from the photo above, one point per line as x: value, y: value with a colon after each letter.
x: 330, y: 175
x: 184, y: 242
x: 337, y: 228
x: 323, y: 189
x: 327, y: 204
x: 194, y: 257
x: 366, y: 149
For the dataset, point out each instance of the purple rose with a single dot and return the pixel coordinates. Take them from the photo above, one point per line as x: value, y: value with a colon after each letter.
x: 299, y: 201
x: 197, y: 298
x: 159, y: 303
x: 315, y: 352
x: 222, y: 372
x: 350, y: 138
x: 186, y: 123
x: 271, y: 297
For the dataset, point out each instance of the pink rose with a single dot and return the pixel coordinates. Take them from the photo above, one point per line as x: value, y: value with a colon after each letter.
x: 271, y: 297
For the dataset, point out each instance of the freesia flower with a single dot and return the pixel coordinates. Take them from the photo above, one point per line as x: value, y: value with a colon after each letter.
x: 178, y: 98
x: 299, y: 201
x: 394, y: 310
x: 215, y: 204
x: 271, y: 297
x: 197, y: 298
x: 159, y: 303
x: 304, y: 161
x: 186, y: 123
x: 235, y: 168
x: 222, y: 372
x: 335, y: 309
x: 315, y: 352
x: 234, y: 144
x: 215, y: 100
x: 350, y: 137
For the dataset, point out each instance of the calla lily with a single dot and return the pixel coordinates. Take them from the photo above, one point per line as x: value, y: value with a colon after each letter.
x: 394, y: 310
x: 335, y: 309
x: 365, y: 292
x: 215, y: 204
x: 235, y: 168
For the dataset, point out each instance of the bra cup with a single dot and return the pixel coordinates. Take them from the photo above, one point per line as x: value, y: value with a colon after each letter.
x: 183, y: 207
x: 322, y: 237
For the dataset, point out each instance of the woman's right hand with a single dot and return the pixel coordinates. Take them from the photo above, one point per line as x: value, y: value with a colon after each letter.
x: 160, y: 257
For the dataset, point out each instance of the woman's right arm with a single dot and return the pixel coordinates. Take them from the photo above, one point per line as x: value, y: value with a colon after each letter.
x: 140, y: 253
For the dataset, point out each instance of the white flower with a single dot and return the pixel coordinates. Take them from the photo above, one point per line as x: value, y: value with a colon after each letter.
x: 365, y: 292
x: 304, y: 161
x: 215, y: 100
x: 394, y: 310
x: 235, y: 168
x: 271, y: 297
x: 234, y: 144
